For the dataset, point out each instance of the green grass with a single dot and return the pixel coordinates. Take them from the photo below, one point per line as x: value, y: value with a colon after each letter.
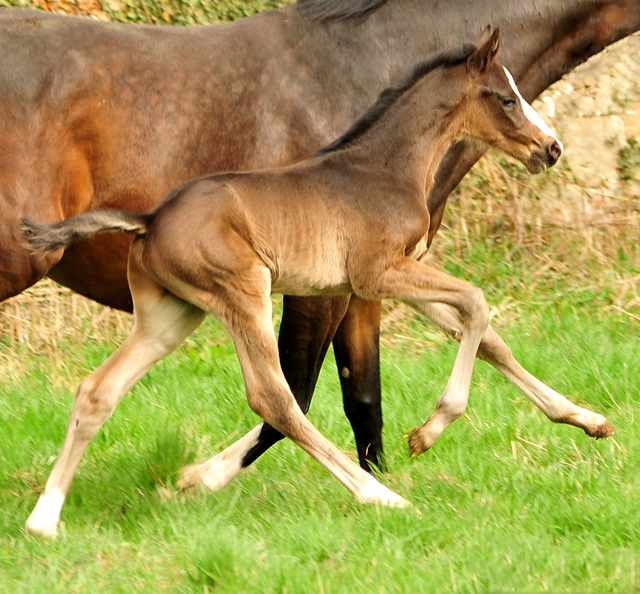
x: 509, y: 502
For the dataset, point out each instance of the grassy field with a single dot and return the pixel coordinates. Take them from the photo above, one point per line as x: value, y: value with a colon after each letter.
x: 509, y: 502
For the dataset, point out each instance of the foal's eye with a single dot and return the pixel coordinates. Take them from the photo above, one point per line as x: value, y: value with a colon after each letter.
x: 507, y: 101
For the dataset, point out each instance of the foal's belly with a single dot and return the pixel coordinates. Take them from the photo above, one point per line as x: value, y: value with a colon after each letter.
x: 303, y: 287
x: 310, y: 274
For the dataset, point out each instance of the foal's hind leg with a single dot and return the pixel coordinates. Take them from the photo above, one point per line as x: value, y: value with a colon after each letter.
x: 162, y: 321
x: 494, y: 350
x: 306, y: 330
x: 247, y: 317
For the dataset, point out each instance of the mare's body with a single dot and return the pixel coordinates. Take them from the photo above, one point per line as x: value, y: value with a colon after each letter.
x: 96, y: 116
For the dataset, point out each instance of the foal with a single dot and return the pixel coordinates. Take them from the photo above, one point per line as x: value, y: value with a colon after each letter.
x: 352, y: 219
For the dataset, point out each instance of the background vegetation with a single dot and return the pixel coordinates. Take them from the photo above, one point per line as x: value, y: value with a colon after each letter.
x: 156, y: 12
x: 509, y: 502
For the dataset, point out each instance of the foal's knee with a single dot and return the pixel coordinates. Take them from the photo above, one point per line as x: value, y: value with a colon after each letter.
x: 493, y: 348
x: 477, y: 309
x: 256, y: 398
x: 275, y: 406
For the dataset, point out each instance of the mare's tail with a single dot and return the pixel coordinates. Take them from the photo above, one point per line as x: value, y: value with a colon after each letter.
x: 49, y: 238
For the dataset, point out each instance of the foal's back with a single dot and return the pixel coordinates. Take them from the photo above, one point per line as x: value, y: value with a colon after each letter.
x: 294, y: 221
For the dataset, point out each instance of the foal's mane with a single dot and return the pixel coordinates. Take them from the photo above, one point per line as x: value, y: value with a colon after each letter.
x: 320, y: 11
x: 445, y: 59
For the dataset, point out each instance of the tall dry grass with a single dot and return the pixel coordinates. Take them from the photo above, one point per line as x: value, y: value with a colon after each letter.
x: 47, y: 314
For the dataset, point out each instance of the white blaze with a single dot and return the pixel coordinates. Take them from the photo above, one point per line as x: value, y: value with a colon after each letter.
x: 530, y: 113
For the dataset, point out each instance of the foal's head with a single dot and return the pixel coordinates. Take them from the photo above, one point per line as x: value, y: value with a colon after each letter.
x: 498, y: 114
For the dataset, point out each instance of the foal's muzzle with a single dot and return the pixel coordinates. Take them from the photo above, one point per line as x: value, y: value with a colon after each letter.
x: 554, y: 150
x: 546, y: 156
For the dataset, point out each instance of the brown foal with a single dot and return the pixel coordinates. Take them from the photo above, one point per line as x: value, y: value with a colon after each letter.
x: 351, y: 219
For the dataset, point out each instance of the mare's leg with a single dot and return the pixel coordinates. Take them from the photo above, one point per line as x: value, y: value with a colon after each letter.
x: 357, y: 350
x: 162, y: 321
x: 247, y: 317
x: 306, y: 330
x: 494, y: 350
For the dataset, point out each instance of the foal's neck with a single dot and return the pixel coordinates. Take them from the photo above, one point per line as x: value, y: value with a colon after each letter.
x: 411, y: 139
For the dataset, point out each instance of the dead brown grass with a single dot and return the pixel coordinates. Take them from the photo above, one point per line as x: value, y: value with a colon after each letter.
x: 47, y: 315
x: 569, y: 241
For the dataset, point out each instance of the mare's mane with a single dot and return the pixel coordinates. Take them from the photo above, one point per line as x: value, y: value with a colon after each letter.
x: 320, y: 11
x: 445, y: 59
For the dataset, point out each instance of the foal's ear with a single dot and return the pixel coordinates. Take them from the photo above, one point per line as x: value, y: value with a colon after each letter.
x: 484, y: 56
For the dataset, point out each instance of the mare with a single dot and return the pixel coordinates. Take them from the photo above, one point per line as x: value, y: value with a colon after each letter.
x: 351, y: 219
x: 102, y: 115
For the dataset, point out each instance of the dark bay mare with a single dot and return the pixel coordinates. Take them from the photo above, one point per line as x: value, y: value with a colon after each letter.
x: 101, y: 115
x: 351, y: 219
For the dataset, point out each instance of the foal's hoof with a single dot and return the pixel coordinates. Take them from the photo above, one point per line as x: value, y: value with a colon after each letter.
x: 215, y: 474
x: 417, y: 444
x: 48, y: 532
x: 189, y: 478
x: 601, y: 431
x: 593, y: 424
x: 42, y: 529
x: 375, y: 493
x: 43, y: 520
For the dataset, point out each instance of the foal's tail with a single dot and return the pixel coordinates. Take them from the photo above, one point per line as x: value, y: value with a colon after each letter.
x: 49, y: 238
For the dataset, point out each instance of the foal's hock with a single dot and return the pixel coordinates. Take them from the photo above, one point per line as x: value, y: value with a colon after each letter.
x: 352, y: 219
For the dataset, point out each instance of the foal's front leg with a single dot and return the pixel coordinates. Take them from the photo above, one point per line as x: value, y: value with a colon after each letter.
x: 270, y: 397
x: 308, y: 325
x: 307, y: 328
x: 420, y: 285
x: 495, y: 351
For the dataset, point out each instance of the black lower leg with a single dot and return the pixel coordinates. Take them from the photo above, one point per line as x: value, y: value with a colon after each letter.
x: 306, y: 331
x: 356, y: 347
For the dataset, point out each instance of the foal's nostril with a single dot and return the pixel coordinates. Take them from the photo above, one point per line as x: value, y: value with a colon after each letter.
x: 554, y: 152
